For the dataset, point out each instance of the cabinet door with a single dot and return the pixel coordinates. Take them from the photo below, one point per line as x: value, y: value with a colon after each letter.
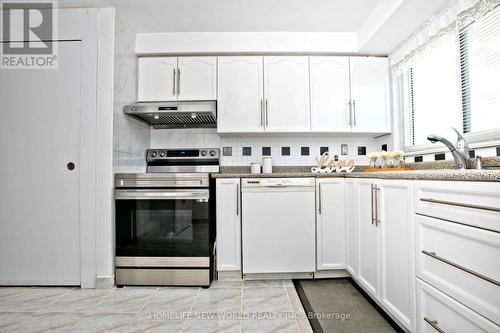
x: 228, y: 212
x: 330, y: 94
x: 240, y: 94
x: 351, y: 228
x: 330, y: 238
x: 370, y: 94
x: 396, y: 239
x: 368, y: 238
x: 156, y: 79
x: 197, y: 78
x: 286, y: 91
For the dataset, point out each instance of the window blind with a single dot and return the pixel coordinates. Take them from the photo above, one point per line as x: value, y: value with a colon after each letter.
x: 480, y: 72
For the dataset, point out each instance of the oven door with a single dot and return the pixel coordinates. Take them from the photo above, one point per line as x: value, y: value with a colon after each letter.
x: 162, y: 223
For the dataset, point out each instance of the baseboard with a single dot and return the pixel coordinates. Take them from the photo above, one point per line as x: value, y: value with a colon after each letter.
x: 105, y: 282
x: 229, y: 275
x: 334, y: 273
x: 277, y: 276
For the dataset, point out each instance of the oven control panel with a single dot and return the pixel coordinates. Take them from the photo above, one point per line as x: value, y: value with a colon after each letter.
x: 182, y: 154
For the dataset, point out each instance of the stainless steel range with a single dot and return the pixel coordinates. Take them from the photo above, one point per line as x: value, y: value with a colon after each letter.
x: 165, y: 219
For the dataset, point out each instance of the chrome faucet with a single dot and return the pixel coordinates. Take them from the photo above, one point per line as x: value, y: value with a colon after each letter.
x: 460, y: 151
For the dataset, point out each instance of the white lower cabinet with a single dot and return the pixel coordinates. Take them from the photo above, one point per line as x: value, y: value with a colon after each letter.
x: 397, y: 273
x: 368, y: 238
x: 228, y: 211
x: 437, y: 312
x: 330, y: 224
x: 384, y: 245
x: 351, y: 228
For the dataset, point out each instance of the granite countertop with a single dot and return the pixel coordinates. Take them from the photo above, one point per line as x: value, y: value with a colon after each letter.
x: 431, y: 174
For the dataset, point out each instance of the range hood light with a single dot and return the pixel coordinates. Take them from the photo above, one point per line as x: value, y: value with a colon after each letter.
x: 193, y: 115
x: 156, y: 117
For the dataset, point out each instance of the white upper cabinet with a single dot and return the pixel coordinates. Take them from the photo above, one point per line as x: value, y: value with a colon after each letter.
x: 156, y: 79
x: 330, y: 224
x: 196, y: 78
x: 330, y: 94
x: 240, y: 94
x: 171, y: 79
x: 370, y: 94
x: 286, y: 91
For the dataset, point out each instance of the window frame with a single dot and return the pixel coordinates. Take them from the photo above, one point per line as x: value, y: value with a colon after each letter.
x: 476, y: 140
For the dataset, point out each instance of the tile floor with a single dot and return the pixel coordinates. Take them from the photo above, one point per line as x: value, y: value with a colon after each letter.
x: 232, y: 306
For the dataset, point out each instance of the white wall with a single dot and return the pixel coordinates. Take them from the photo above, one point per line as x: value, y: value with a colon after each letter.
x: 131, y: 138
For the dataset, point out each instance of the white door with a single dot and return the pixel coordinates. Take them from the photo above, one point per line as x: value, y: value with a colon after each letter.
x: 228, y: 213
x: 351, y: 227
x: 368, y: 238
x: 330, y: 94
x: 39, y: 195
x: 240, y: 94
x: 156, y: 79
x: 396, y: 256
x: 370, y: 94
x: 286, y: 92
x: 197, y: 78
x: 330, y: 229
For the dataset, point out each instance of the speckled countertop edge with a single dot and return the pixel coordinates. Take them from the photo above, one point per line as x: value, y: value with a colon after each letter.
x: 432, y: 174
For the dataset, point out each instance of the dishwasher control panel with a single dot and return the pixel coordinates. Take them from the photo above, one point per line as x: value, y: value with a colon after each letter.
x: 277, y: 182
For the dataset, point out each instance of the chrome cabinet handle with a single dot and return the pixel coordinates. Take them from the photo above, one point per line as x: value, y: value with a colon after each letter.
x: 178, y: 81
x: 173, y: 84
x: 238, y: 199
x: 139, y: 194
x: 377, y: 220
x: 465, y: 269
x: 459, y: 204
x: 434, y: 324
x: 350, y: 112
x: 267, y: 114
x: 319, y: 198
x: 371, y: 197
x: 354, y: 111
x: 261, y: 112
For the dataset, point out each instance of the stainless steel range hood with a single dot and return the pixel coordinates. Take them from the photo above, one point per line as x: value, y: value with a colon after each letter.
x: 186, y: 114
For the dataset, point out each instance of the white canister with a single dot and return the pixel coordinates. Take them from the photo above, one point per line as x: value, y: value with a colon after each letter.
x: 267, y: 165
x: 255, y: 168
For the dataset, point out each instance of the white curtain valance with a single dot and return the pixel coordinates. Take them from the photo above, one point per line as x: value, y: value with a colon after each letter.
x: 453, y: 17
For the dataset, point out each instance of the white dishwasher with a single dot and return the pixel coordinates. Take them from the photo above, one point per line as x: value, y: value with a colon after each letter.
x: 278, y: 225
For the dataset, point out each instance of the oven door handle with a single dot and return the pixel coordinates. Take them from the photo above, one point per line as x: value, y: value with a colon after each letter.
x: 161, y: 195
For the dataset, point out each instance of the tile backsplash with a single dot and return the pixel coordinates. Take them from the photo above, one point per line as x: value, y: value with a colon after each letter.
x: 292, y: 149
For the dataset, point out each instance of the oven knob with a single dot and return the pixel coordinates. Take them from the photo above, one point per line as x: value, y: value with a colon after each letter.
x: 153, y: 154
x: 212, y: 153
x: 203, y: 153
x: 162, y: 154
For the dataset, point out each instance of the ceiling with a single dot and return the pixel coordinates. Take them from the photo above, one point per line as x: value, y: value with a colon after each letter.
x: 384, y: 24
